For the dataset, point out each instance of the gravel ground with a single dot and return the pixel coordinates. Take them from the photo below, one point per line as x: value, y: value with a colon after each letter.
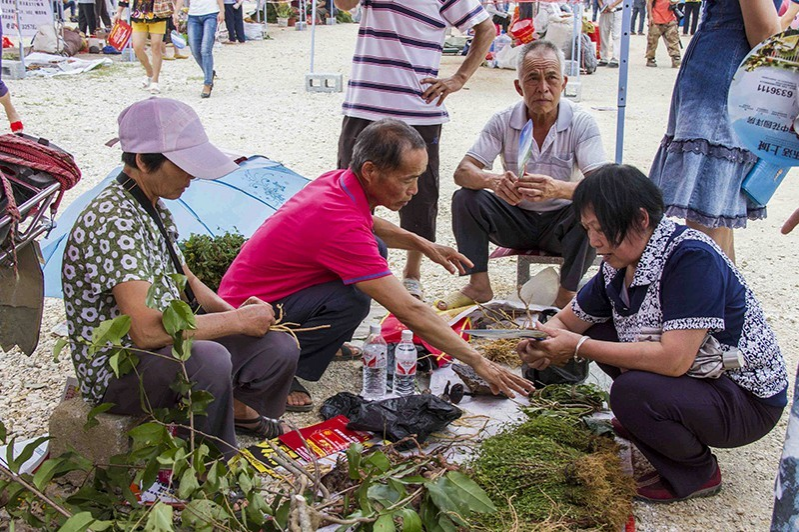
x: 259, y: 105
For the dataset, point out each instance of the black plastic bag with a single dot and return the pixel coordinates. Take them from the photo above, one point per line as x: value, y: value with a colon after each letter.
x: 393, y: 419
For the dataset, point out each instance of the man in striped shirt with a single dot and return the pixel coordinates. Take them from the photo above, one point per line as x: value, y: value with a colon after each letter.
x: 395, y: 75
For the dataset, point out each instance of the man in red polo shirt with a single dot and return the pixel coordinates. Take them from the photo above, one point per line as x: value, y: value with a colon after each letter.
x: 322, y: 257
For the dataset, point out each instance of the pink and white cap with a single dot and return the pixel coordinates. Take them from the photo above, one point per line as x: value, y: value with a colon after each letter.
x: 172, y: 128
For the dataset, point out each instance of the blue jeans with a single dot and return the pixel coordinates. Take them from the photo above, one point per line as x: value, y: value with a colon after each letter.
x: 202, y: 33
x: 640, y: 14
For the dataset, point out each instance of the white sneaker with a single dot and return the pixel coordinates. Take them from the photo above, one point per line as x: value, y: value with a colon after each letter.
x: 145, y: 83
x: 154, y: 89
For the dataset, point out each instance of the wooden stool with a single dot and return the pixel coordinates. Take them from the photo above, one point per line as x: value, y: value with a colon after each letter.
x: 530, y: 256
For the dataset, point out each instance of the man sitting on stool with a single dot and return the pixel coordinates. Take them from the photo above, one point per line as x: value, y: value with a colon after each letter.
x: 530, y: 209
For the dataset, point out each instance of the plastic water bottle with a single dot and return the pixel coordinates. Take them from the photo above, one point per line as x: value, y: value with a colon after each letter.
x: 405, y: 368
x: 374, y: 365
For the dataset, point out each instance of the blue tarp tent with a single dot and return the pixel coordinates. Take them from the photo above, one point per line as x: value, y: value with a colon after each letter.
x: 238, y: 202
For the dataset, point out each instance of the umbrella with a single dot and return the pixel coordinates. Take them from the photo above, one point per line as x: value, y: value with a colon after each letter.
x: 238, y: 202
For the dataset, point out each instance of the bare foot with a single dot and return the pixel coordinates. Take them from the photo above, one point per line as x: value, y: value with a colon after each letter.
x: 298, y: 399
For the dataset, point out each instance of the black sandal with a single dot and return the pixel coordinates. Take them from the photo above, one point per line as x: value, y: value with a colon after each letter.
x: 266, y: 428
x: 296, y: 386
x: 348, y: 352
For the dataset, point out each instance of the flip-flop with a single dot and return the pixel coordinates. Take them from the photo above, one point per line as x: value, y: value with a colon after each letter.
x: 453, y: 300
x: 414, y: 288
x: 349, y: 352
x: 296, y: 386
x: 266, y: 428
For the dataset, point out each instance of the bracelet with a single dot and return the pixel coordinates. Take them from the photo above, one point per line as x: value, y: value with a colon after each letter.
x: 580, y: 342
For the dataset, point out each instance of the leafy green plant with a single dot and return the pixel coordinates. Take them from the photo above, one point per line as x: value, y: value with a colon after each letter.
x: 209, y: 257
x: 382, y: 490
x: 286, y: 10
x: 343, y: 17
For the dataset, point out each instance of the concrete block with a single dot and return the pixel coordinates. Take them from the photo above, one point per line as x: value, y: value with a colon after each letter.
x: 99, y: 443
x: 324, y: 82
x: 13, y: 69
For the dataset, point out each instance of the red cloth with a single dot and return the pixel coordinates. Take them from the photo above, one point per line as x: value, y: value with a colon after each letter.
x: 595, y: 39
x: 391, y: 329
x: 661, y: 14
x: 322, y: 234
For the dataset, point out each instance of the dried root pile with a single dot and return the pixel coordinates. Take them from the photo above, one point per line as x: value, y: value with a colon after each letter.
x: 551, y: 472
x: 502, y: 352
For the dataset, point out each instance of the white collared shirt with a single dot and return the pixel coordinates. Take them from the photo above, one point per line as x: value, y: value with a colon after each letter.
x: 572, y: 147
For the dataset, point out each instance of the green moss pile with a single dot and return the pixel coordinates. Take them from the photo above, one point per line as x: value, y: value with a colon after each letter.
x: 209, y: 257
x: 552, y: 473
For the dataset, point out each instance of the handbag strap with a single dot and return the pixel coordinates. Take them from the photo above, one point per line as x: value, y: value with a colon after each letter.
x: 131, y: 186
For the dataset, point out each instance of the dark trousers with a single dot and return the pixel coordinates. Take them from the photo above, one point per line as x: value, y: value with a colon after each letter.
x: 640, y: 14
x: 691, y: 10
x: 674, y: 420
x: 480, y: 217
x: 101, y: 12
x: 341, y: 307
x: 234, y: 21
x: 255, y: 371
x: 86, y: 21
x: 419, y: 215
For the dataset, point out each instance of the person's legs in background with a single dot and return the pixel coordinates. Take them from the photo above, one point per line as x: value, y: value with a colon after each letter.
x: 238, y: 23
x: 672, y: 38
x: 139, y: 43
x: 58, y: 10
x: 605, y: 32
x: 5, y: 100
x: 615, y: 34
x: 210, y: 24
x: 419, y: 215
x: 652, y: 37
x: 723, y: 236
x: 202, y: 33
x: 101, y: 14
x: 156, y: 39
x: 229, y: 24
x: 87, y: 23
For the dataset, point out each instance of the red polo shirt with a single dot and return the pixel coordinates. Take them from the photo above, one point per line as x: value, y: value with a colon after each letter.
x: 323, y: 233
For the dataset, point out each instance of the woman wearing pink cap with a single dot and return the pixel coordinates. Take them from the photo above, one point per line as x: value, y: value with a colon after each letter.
x: 123, y: 246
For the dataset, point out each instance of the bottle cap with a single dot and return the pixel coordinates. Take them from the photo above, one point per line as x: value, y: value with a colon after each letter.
x: 407, y: 334
x: 374, y: 329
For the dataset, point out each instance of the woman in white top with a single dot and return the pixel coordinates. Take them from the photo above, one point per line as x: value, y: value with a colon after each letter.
x: 205, y: 16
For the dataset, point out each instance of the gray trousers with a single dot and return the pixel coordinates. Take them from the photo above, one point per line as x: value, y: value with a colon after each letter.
x: 255, y: 371
x: 480, y: 217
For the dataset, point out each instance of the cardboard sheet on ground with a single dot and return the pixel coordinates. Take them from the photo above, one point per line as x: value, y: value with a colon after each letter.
x: 48, y: 65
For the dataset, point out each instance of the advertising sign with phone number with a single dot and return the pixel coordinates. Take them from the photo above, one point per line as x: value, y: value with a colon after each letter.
x: 763, y: 100
x: 32, y: 14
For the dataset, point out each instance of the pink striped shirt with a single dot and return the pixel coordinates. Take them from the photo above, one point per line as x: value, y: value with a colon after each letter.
x: 399, y: 44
